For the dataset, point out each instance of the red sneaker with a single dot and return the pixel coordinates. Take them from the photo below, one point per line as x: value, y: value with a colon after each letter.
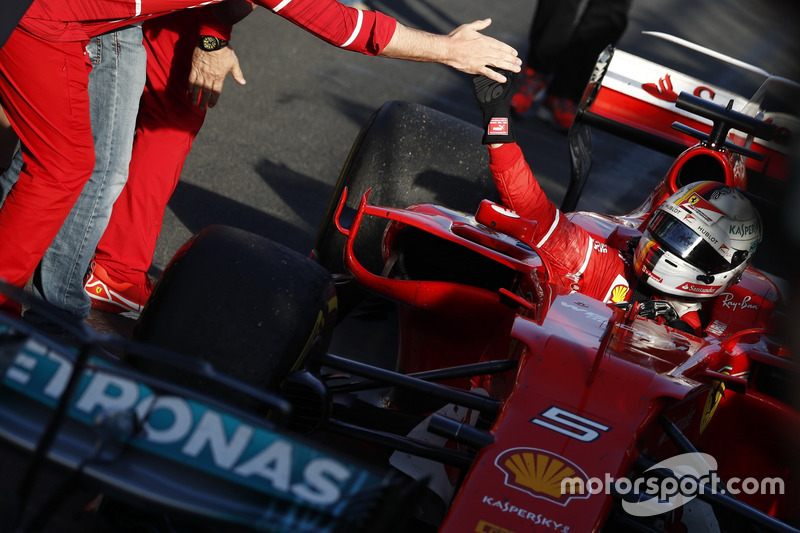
x: 558, y: 111
x: 126, y: 299
x: 530, y: 89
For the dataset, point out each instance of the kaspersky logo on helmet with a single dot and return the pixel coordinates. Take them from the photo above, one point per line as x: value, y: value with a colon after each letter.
x: 745, y: 230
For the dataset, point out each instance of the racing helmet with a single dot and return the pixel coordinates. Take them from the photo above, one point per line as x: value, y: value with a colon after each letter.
x: 698, y: 242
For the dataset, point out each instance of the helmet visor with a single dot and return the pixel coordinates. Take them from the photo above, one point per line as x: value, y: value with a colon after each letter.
x: 680, y: 240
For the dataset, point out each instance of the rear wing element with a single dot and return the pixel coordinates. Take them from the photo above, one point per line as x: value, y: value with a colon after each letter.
x: 635, y: 99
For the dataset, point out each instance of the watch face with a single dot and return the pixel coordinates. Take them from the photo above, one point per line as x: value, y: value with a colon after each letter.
x: 210, y: 43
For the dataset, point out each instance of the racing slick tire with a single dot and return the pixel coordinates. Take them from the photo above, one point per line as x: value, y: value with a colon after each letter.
x: 251, y: 307
x: 408, y: 154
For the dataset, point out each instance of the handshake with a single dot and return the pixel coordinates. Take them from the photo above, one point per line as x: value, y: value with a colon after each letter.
x: 494, y: 100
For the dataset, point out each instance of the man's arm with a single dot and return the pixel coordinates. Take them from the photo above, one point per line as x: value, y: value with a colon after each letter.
x: 374, y: 33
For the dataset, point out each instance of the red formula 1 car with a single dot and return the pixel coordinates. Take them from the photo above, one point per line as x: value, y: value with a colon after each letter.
x: 501, y: 401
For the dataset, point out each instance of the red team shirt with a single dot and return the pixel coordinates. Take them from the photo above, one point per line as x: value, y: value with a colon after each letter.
x: 78, y: 20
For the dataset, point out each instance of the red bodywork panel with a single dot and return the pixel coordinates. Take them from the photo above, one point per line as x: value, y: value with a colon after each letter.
x: 576, y: 411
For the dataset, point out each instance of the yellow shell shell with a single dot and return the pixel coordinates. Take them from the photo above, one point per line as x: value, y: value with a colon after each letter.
x: 539, y: 472
x: 619, y: 293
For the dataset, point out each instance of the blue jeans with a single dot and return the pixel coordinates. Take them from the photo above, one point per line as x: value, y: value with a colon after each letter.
x: 115, y: 86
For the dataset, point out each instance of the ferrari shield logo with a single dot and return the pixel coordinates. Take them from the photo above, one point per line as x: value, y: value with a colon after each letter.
x: 698, y: 206
x: 542, y: 474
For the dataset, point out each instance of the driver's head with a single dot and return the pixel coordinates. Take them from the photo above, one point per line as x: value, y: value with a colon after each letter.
x: 698, y: 242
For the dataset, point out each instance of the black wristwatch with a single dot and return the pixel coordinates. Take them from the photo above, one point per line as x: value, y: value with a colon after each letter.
x: 210, y: 43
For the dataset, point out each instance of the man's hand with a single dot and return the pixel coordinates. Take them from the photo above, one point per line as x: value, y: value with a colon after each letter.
x: 473, y: 52
x: 464, y: 49
x: 208, y: 74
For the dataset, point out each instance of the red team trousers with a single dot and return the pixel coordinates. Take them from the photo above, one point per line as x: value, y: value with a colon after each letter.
x: 58, y: 148
x: 166, y: 127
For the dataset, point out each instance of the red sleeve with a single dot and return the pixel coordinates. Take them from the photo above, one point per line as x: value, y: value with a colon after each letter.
x: 517, y: 186
x: 566, y: 245
x: 367, y: 32
x: 209, y: 24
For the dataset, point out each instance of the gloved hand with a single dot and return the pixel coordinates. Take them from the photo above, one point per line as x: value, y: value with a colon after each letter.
x: 651, y: 309
x: 494, y: 100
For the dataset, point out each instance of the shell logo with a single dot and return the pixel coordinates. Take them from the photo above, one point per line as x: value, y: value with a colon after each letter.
x: 540, y: 473
x: 619, y: 293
